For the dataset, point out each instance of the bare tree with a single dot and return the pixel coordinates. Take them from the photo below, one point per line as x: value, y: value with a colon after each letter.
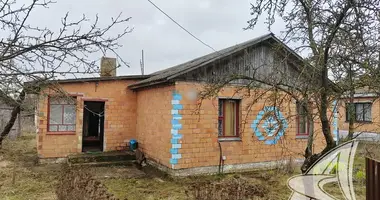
x: 29, y: 52
x: 354, y: 59
x: 278, y: 79
x: 337, y: 35
x: 316, y: 26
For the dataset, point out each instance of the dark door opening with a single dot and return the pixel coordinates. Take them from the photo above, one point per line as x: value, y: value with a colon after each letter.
x: 93, y: 126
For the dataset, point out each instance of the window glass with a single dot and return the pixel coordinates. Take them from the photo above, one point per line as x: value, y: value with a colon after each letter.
x: 367, y: 112
x: 220, y: 127
x: 71, y: 128
x: 359, y: 112
x: 62, y: 100
x: 228, y: 122
x: 55, y: 114
x: 62, y: 128
x: 220, y: 107
x: 229, y: 118
x: 303, y: 124
x: 62, y: 114
x: 53, y: 128
x: 350, y: 110
x: 69, y: 114
x: 362, y: 112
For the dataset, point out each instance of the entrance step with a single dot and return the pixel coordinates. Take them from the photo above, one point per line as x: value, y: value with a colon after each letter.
x: 103, y: 158
x: 105, y: 164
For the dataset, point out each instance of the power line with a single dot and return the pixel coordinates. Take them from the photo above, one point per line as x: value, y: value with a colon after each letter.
x: 195, y: 37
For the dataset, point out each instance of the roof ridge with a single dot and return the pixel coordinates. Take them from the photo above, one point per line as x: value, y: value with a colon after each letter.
x: 171, y: 72
x: 215, y: 52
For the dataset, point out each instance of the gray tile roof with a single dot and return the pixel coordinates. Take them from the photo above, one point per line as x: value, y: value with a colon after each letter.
x: 172, y: 72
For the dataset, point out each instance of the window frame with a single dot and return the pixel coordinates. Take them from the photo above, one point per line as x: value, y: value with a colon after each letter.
x: 355, y: 112
x: 307, y: 122
x: 63, y: 107
x: 222, y: 118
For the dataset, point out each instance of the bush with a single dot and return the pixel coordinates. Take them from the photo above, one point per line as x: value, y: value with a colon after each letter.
x: 360, y: 176
x: 230, y: 188
x: 287, y: 167
x: 77, y: 184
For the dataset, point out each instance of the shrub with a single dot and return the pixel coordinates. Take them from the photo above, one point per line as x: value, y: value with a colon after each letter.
x: 77, y: 184
x: 287, y: 167
x: 360, y: 176
x: 229, y: 188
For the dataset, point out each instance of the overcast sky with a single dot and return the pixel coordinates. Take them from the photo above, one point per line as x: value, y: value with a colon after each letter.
x: 218, y: 23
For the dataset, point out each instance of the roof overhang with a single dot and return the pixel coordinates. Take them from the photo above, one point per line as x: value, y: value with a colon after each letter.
x: 361, y: 95
x: 91, y: 79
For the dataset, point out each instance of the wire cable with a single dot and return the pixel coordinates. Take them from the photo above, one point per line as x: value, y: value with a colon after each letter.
x: 183, y: 28
x: 101, y: 114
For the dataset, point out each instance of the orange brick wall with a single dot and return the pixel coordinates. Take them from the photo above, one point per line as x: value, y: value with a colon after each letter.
x: 153, y: 123
x: 373, y: 126
x: 200, y: 133
x: 120, y: 117
x: 146, y: 116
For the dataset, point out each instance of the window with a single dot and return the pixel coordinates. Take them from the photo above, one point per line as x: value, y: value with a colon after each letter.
x: 62, y: 114
x: 360, y: 111
x: 304, y: 126
x: 228, y: 121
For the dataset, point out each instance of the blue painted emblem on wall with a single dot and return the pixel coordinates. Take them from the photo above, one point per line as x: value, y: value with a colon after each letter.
x: 273, y: 125
x: 176, y: 127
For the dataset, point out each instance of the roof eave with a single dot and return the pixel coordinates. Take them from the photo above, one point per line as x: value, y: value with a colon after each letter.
x: 148, y: 84
x: 92, y: 79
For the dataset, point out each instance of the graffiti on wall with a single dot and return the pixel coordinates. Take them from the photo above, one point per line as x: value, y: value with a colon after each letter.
x: 269, y: 125
x: 176, y: 127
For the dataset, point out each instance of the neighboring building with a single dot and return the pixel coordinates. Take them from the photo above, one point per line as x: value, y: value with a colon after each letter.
x: 5, y: 115
x: 162, y: 112
x: 366, y: 108
x: 23, y: 124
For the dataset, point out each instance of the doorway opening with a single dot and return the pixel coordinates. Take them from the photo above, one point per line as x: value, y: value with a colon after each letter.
x: 93, y: 126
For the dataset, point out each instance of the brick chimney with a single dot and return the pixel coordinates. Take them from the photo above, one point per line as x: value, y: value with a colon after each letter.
x: 107, y: 67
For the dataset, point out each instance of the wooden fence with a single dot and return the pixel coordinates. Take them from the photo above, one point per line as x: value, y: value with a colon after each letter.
x: 372, y: 179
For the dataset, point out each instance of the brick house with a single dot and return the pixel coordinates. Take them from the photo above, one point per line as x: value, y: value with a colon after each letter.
x: 177, y: 133
x: 366, y: 113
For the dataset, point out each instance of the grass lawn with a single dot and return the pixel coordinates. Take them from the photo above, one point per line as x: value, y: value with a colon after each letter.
x: 21, y: 178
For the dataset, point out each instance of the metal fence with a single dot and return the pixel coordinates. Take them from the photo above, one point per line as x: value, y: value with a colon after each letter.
x: 372, y: 179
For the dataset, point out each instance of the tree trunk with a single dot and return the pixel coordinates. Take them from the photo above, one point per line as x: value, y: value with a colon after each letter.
x: 310, y: 140
x: 15, y: 112
x: 351, y: 128
x: 351, y: 108
x: 326, y: 129
x: 19, y: 131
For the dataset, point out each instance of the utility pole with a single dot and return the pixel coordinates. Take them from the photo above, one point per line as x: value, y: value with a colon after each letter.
x: 142, y: 62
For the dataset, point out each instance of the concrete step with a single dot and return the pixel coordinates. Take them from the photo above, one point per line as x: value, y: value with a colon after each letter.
x: 105, y: 164
x: 105, y: 157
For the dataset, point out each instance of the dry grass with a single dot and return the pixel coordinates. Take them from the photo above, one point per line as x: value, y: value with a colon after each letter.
x: 20, y: 178
x: 144, y: 188
x: 39, y: 182
x: 269, y: 185
x: 79, y: 184
x: 273, y: 184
